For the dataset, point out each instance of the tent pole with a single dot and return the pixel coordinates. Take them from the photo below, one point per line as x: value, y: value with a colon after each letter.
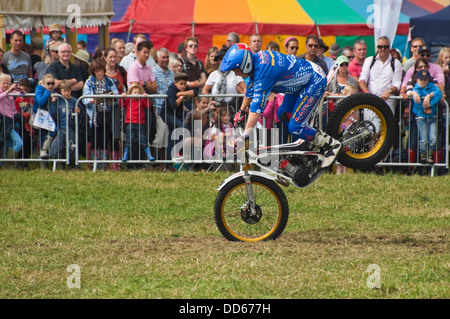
x: 193, y: 28
x: 2, y: 32
x: 129, y: 30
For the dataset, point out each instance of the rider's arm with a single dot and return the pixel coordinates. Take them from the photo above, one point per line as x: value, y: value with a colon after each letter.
x: 245, y: 104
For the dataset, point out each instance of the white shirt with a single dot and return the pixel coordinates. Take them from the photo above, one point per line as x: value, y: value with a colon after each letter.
x: 232, y: 82
x: 131, y: 57
x: 380, y: 78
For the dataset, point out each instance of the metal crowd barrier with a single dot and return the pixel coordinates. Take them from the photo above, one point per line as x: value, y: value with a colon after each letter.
x: 108, y: 140
x: 31, y: 137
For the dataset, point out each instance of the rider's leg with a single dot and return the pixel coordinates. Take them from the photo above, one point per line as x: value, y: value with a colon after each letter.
x: 306, y: 103
x: 286, y: 108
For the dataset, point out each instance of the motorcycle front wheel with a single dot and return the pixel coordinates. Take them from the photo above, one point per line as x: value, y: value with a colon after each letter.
x: 233, y: 215
x: 357, y: 114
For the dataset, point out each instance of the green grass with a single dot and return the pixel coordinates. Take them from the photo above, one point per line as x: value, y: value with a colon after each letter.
x: 152, y: 235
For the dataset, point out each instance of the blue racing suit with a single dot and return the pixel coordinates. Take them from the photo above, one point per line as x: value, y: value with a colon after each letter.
x: 303, y: 83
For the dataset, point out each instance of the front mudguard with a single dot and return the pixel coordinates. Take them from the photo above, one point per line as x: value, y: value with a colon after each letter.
x: 241, y: 174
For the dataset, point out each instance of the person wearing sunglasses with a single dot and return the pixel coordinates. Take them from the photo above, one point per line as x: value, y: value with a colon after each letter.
x: 312, y: 45
x: 382, y: 77
x: 342, y: 78
x: 434, y: 69
x: 321, y: 54
x: 192, y: 66
x: 416, y: 44
x: 291, y: 46
x: 43, y: 99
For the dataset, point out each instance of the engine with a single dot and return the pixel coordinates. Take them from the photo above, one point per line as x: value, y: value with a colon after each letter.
x: 300, y: 169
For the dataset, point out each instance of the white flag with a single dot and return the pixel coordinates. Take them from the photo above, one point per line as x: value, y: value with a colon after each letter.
x: 385, y: 15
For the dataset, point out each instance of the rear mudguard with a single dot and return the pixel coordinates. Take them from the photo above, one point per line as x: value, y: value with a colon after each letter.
x: 241, y: 174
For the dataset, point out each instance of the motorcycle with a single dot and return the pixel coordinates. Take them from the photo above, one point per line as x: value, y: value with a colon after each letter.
x: 250, y: 205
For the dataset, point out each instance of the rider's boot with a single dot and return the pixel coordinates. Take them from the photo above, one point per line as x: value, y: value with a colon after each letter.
x: 331, y: 146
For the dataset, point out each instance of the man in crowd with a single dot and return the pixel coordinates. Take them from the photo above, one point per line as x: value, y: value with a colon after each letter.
x: 17, y: 61
x: 119, y: 46
x: 163, y: 75
x: 256, y: 43
x: 382, y: 75
x: 131, y: 57
x: 416, y: 44
x: 232, y: 38
x: 65, y: 70
x: 360, y: 53
x: 321, y: 54
x: 192, y: 66
x: 312, y: 44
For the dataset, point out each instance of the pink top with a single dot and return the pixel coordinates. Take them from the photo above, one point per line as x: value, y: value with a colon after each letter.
x: 270, y: 112
x: 434, y: 69
x: 354, y: 68
x: 139, y: 73
x: 7, y: 106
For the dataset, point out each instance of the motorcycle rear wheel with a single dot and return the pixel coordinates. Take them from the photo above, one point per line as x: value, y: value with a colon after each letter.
x: 233, y: 217
x: 363, y: 111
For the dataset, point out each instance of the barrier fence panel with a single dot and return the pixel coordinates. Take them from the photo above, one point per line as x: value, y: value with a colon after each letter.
x: 117, y: 131
x: 27, y: 137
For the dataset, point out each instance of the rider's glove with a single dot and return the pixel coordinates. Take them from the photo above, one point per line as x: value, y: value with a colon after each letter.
x: 239, y: 118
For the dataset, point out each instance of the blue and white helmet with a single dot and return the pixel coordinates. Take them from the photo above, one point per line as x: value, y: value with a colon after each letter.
x: 240, y: 55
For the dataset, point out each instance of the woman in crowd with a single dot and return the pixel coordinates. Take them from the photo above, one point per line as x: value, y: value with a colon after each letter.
x: 211, y: 63
x: 99, y: 110
x: 119, y: 76
x: 224, y: 83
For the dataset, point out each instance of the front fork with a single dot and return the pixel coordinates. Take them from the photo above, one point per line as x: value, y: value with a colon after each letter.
x: 243, y: 152
x: 250, y: 193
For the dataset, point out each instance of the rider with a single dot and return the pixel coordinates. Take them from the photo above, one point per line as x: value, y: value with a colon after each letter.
x: 303, y: 82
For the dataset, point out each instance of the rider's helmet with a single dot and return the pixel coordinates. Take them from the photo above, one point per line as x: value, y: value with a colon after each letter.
x: 240, y: 55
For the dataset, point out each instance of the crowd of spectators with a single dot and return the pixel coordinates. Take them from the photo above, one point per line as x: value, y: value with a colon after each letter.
x: 127, y: 128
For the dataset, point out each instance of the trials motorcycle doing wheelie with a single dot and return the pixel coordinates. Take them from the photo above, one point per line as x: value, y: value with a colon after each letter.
x: 250, y: 206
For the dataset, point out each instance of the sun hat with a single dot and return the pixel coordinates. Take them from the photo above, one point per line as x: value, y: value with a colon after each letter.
x: 82, y: 55
x: 335, y: 49
x: 323, y: 45
x: 342, y: 59
x: 55, y: 27
x: 289, y: 39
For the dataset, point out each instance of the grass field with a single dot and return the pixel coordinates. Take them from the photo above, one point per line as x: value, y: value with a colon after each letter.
x: 152, y: 235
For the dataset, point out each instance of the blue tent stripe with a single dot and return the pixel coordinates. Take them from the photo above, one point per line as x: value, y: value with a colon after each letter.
x: 413, y: 11
x: 119, y: 7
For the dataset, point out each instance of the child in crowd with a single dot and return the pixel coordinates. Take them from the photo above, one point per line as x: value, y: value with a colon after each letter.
x: 426, y: 96
x: 211, y: 133
x: 55, y: 35
x: 221, y: 139
x: 135, y: 120
x: 8, y: 135
x: 64, y: 122
x: 197, y: 122
x: 43, y: 100
x: 175, y: 107
x: 24, y: 106
x: 99, y: 110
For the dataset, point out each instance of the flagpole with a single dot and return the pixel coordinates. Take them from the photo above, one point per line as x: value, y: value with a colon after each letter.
x: 408, y: 40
